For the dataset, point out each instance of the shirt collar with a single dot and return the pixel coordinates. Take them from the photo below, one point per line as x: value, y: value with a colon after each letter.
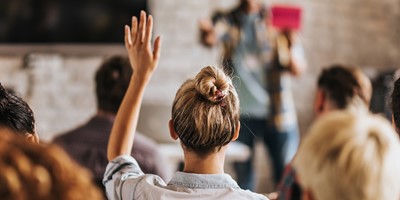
x: 203, y: 181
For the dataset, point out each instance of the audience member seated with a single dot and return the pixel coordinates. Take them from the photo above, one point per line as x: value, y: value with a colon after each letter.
x: 40, y: 172
x: 396, y: 105
x: 16, y: 116
x: 205, y: 118
x: 347, y: 156
x: 87, y: 144
x: 339, y: 88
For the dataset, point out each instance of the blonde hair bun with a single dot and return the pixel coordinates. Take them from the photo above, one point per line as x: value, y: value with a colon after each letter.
x: 212, y: 83
x: 205, y: 111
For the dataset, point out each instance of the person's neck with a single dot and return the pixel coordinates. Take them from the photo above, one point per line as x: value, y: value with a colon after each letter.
x: 108, y: 115
x: 212, y: 163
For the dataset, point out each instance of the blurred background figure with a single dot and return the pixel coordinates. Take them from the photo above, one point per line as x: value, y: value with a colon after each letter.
x: 342, y: 87
x: 41, y: 172
x: 87, y: 144
x: 16, y: 116
x: 250, y: 52
x: 358, y: 158
x: 339, y: 87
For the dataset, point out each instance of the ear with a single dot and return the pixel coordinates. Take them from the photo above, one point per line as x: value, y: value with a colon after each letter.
x: 319, y: 102
x: 172, y: 131
x: 34, y: 138
x: 236, y: 134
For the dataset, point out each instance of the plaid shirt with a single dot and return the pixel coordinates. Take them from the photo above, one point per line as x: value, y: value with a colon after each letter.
x: 276, y: 85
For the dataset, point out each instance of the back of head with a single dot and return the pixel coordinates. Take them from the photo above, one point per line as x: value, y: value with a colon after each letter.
x: 15, y: 113
x: 112, y: 81
x: 348, y: 155
x: 40, y: 172
x: 205, y: 112
x: 341, y: 86
x: 396, y: 104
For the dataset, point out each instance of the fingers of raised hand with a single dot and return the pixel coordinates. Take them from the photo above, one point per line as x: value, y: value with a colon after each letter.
x: 134, y: 30
x: 128, y: 39
x: 157, y: 48
x: 149, y: 31
x: 142, y: 28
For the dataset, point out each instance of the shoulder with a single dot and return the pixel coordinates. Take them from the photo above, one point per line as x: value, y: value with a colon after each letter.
x: 124, y: 178
x: 64, y: 137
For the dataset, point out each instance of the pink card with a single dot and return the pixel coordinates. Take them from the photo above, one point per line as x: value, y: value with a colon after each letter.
x: 286, y: 17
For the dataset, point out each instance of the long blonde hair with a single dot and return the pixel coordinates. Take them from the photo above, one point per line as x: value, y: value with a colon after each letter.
x: 205, y: 112
x: 41, y: 172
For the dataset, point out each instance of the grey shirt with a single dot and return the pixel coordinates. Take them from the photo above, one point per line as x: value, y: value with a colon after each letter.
x: 124, y: 179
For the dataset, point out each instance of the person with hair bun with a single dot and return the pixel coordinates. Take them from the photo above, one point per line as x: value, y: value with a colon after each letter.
x: 205, y: 118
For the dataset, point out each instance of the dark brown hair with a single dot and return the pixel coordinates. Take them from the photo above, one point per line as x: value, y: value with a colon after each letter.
x: 15, y: 113
x: 340, y: 84
x: 112, y: 81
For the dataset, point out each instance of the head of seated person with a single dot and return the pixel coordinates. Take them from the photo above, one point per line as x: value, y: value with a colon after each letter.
x: 16, y: 116
x: 39, y: 171
x: 205, y: 113
x: 341, y: 87
x: 112, y: 81
x: 348, y: 155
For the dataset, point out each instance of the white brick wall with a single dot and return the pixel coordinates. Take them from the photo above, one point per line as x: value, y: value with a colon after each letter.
x: 363, y: 33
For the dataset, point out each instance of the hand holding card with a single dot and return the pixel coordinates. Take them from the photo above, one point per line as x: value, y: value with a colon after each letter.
x: 284, y: 17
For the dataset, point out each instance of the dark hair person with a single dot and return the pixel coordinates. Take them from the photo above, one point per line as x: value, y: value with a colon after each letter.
x: 16, y: 116
x: 112, y: 81
x: 87, y: 143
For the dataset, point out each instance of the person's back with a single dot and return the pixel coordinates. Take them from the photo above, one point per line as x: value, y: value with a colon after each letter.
x: 205, y: 118
x: 192, y: 97
x: 87, y: 144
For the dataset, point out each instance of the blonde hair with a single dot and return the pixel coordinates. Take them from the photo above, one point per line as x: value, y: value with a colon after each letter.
x: 348, y: 156
x: 41, y: 172
x: 205, y: 112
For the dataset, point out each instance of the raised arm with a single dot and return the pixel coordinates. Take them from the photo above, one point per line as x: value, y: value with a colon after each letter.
x: 143, y: 61
x: 290, y: 52
x: 298, y: 62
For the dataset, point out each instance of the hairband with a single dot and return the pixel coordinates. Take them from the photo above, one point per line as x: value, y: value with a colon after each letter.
x: 219, y: 97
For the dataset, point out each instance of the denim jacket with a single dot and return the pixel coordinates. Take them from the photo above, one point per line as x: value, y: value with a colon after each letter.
x: 124, y: 179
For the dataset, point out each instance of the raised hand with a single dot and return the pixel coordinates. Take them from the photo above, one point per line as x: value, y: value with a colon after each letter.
x: 143, y: 59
